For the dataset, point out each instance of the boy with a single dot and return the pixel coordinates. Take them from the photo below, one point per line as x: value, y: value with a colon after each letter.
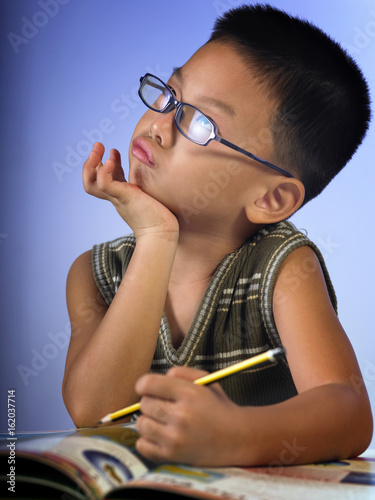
x: 212, y: 272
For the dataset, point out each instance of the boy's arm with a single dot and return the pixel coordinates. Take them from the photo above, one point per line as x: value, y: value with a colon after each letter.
x: 112, y: 347
x: 330, y: 418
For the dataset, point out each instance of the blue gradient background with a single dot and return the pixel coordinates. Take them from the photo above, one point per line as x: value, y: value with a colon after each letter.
x: 76, y: 71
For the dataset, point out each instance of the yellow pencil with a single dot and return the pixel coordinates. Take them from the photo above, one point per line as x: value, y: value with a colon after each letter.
x: 270, y: 355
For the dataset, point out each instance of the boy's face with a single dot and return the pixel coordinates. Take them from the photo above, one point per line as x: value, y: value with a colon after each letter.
x: 211, y: 180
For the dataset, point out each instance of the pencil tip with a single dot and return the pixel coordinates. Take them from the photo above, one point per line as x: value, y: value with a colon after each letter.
x: 104, y: 420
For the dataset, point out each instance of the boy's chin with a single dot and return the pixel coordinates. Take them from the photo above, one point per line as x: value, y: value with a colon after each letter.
x: 135, y: 177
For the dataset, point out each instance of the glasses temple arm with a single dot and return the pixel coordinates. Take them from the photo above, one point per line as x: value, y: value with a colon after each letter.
x: 253, y: 157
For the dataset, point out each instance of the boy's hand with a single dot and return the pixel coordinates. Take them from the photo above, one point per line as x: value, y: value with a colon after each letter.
x: 141, y: 212
x: 184, y: 422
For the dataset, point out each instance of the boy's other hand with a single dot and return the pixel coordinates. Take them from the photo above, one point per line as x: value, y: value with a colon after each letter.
x: 141, y: 212
x: 184, y: 422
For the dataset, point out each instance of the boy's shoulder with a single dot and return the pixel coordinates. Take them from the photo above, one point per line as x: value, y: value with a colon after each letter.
x: 109, y: 261
x: 268, y: 250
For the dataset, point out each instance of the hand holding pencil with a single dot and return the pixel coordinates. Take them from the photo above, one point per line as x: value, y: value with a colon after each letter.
x: 268, y: 356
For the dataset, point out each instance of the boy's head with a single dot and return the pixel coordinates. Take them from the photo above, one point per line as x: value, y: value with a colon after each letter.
x: 273, y: 85
x: 322, y: 108
x: 217, y: 187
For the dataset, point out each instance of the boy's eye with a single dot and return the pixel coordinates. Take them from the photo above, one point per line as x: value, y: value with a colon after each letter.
x: 162, y: 101
x: 203, y: 122
x: 172, y: 90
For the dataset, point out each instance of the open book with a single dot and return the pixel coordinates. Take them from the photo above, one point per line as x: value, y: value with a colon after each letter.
x: 98, y: 463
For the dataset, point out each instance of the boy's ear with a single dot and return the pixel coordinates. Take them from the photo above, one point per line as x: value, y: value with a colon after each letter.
x: 279, y: 201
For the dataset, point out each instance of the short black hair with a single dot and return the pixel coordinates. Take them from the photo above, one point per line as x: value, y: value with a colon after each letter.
x: 323, y: 104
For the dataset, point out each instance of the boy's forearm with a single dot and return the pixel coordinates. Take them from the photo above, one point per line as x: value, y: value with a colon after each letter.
x: 325, y: 423
x: 102, y: 377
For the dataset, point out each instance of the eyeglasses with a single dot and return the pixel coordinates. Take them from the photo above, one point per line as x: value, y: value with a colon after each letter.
x: 189, y: 120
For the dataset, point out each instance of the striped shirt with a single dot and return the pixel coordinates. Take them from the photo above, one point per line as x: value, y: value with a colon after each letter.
x: 235, y: 319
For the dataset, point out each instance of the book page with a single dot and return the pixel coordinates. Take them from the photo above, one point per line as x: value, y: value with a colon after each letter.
x: 257, y: 484
x: 97, y: 459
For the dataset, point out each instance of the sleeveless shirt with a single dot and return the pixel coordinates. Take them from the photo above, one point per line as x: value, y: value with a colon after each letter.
x: 234, y: 320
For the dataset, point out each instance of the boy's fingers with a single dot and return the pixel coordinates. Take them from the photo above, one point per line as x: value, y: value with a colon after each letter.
x: 157, y: 409
x: 117, y: 172
x: 95, y: 157
x: 99, y: 148
x: 192, y: 374
x: 90, y: 170
x: 98, y: 177
x: 159, y: 386
x: 111, y: 180
x: 166, y: 388
x: 92, y: 162
x: 149, y: 448
x: 186, y: 373
x: 115, y: 156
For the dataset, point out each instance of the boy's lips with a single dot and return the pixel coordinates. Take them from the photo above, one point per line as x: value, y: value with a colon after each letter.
x: 143, y: 151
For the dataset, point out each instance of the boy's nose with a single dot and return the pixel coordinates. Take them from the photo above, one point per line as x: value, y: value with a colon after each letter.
x: 163, y: 129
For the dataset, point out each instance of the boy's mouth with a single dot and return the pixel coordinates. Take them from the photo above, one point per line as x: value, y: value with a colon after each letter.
x: 143, y: 151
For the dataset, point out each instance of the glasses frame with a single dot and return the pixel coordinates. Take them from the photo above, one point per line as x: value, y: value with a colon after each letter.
x: 174, y: 103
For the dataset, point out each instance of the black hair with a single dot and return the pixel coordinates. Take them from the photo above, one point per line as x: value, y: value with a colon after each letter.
x: 323, y: 104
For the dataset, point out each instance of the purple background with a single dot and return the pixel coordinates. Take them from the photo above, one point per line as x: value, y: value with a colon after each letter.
x: 70, y: 70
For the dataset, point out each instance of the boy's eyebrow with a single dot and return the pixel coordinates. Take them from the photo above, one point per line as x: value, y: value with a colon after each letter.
x: 177, y: 72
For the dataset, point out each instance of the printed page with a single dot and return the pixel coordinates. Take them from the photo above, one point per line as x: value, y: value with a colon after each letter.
x: 356, y: 471
x: 97, y: 459
x: 240, y: 484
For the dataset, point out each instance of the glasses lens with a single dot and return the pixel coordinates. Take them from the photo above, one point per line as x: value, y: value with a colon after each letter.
x: 193, y: 124
x: 154, y: 93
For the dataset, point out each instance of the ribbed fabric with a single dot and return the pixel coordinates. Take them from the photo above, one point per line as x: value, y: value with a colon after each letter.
x: 234, y: 320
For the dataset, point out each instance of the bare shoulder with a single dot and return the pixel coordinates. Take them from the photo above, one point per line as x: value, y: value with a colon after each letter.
x: 80, y: 270
x: 300, y: 271
x: 300, y: 292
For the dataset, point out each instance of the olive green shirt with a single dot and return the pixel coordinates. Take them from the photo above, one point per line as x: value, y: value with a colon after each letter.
x: 234, y: 320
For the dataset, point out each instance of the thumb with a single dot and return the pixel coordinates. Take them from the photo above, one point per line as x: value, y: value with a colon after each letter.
x: 186, y: 373
x: 193, y: 374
